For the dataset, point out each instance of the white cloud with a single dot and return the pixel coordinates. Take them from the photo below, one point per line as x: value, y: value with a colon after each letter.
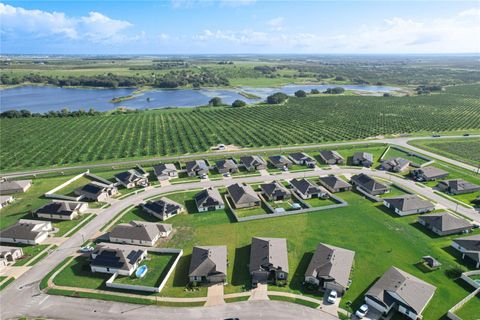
x: 95, y: 27
x: 276, y: 23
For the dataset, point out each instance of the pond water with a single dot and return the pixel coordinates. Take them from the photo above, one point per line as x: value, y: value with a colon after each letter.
x: 46, y: 98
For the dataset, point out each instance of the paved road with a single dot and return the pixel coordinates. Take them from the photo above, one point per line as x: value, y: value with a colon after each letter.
x: 402, y: 141
x: 24, y: 296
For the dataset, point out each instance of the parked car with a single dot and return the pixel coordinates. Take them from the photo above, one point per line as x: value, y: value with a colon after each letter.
x: 436, y: 136
x: 332, y: 296
x: 466, y: 134
x: 362, y: 311
x: 87, y: 249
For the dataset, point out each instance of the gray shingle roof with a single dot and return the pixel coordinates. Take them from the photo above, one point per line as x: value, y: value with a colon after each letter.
x: 368, y: 183
x: 445, y: 221
x: 334, y: 182
x: 470, y: 243
x: 208, y: 260
x: 249, y: 161
x: 274, y: 189
x: 395, y: 163
x: 330, y: 262
x: 6, y: 186
x: 196, y: 165
x: 305, y: 187
x: 460, y: 185
x: 279, y: 160
x: 208, y: 197
x: 139, y: 230
x: 300, y: 156
x: 362, y: 156
x: 268, y: 251
x: 414, y: 292
x: 163, y: 168
x: 327, y: 155
x: 431, y: 172
x: 241, y: 193
x: 408, y: 202
x: 226, y: 164
x: 23, y: 229
x: 129, y: 176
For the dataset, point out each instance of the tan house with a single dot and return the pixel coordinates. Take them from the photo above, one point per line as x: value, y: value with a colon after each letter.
x: 243, y: 196
x: 268, y: 260
x: 14, y: 186
x: 208, y: 264
x: 139, y: 232
x: 27, y: 232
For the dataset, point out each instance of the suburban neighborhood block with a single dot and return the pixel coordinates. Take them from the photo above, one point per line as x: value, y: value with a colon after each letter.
x: 445, y: 223
x: 208, y: 264
x: 163, y: 208
x: 27, y: 232
x: 61, y: 210
x: 139, y: 232
x: 209, y: 200
x: 268, y: 260
x: 330, y: 268
x: 334, y: 184
x: 116, y: 258
x: 408, y: 204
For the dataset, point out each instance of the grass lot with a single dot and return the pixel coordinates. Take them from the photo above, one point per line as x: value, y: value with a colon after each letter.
x: 394, y: 192
x: 347, y: 152
x: 295, y: 300
x: 395, y: 153
x: 319, y: 202
x: 466, y: 150
x: 69, y: 190
x: 158, y: 266
x: 78, y: 274
x: 471, y: 310
x: 29, y: 252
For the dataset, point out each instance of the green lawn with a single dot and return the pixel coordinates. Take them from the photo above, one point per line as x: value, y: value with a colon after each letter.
x: 319, y: 202
x: 395, y: 153
x: 470, y: 310
x: 78, y: 274
x: 29, y: 252
x: 158, y: 266
x: 394, y: 192
x: 67, y: 225
x: 466, y: 150
x: 347, y: 152
x: 285, y: 204
x: 6, y: 283
x: 295, y: 300
x: 69, y: 189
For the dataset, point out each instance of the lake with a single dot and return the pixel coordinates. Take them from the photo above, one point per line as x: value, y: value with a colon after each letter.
x: 45, y: 98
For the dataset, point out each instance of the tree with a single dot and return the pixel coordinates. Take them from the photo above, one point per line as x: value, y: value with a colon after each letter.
x: 239, y: 104
x: 314, y: 91
x: 215, y: 101
x: 300, y: 94
x: 277, y: 98
x: 336, y: 90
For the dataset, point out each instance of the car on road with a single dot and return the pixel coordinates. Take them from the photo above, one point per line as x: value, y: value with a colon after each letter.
x: 436, y: 136
x: 87, y: 249
x: 466, y: 134
x: 332, y: 296
x: 362, y: 311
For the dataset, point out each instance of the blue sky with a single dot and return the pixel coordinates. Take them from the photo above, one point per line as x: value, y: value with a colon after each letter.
x: 239, y: 26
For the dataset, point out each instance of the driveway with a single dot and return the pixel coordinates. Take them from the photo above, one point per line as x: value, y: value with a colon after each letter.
x: 331, y: 308
x: 260, y: 292
x: 215, y: 295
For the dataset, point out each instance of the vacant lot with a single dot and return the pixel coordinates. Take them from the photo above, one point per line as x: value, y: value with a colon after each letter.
x: 396, y: 153
x: 467, y: 150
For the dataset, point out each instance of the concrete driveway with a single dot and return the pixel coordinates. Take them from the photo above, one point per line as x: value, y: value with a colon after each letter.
x: 215, y: 295
x: 328, y: 307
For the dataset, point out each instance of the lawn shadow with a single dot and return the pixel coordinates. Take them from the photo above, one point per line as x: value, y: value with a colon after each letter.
x: 360, y: 299
x: 298, y: 277
x: 191, y: 206
x: 180, y: 276
x: 387, y: 211
x: 425, y: 230
x: 468, y: 263
x: 241, y: 274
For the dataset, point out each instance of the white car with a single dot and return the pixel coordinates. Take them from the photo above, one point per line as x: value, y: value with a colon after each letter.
x: 362, y: 311
x: 332, y: 296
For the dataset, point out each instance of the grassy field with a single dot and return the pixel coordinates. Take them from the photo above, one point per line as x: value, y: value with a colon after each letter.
x: 189, y: 130
x: 395, y: 153
x: 294, y: 300
x: 464, y: 150
x: 471, y: 310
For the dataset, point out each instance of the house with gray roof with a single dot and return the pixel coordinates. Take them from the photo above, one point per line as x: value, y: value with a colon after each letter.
x: 445, y: 223
x: 209, y: 200
x: 330, y: 268
x: 97, y: 191
x: 5, y: 200
x: 428, y: 174
x: 132, y: 178
x: 275, y: 191
x: 196, y: 168
x: 61, y: 210
x: 395, y: 164
x: 307, y: 189
x: 400, y: 291
x: 243, y: 196
x: 364, y: 159
x: 408, y: 204
x: 368, y: 184
x: 116, y: 258
x: 14, y: 186
x: 469, y: 247
x: 280, y: 162
x: 163, y: 208
x: 457, y: 186
x: 302, y: 159
x: 27, y: 232
x: 331, y: 157
x: 268, y: 260
x: 139, y: 233
x: 10, y: 255
x: 208, y: 264
x: 226, y: 166
x: 253, y: 163
x: 334, y: 184
x: 165, y: 171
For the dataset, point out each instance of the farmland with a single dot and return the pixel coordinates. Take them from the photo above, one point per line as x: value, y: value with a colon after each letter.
x: 180, y: 131
x: 467, y: 151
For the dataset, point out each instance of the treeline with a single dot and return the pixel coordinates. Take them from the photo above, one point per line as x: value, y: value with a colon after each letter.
x: 64, y: 113
x: 428, y: 89
x: 162, y: 65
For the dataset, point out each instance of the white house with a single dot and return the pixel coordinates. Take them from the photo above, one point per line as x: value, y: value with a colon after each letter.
x: 26, y: 231
x: 116, y: 258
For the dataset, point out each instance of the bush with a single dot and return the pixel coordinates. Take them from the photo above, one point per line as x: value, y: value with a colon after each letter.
x: 239, y: 104
x: 300, y: 94
x: 314, y: 91
x: 336, y: 90
x: 277, y: 98
x: 215, y: 101
x: 454, y: 272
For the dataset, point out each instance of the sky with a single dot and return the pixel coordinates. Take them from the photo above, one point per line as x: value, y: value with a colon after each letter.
x: 239, y: 26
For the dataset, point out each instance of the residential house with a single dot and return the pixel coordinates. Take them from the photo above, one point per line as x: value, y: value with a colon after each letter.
x: 117, y: 258
x: 5, y: 200
x: 428, y: 174
x: 14, y: 186
x: 165, y: 171
x: 334, y: 184
x: 444, y: 223
x: 280, y: 162
x: 208, y: 264
x: 302, y: 159
x: 10, y: 254
x: 139, y: 232
x: 209, y: 200
x: 368, y: 184
x: 364, y: 159
x: 395, y: 164
x: 226, y: 166
x: 330, y: 268
x: 97, y: 191
x: 275, y: 191
x: 400, y: 291
x: 197, y: 168
x: 307, y: 190
x: 253, y: 163
x: 331, y: 157
x: 61, y: 210
x: 163, y: 208
x: 27, y: 232
x: 408, y: 204
x: 132, y: 178
x: 243, y: 196
x: 469, y: 247
x: 268, y: 260
x: 457, y: 186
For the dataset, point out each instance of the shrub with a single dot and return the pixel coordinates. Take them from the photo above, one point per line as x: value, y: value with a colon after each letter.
x: 239, y: 103
x: 314, y: 91
x: 215, y: 101
x: 336, y: 90
x: 277, y: 98
x: 300, y: 94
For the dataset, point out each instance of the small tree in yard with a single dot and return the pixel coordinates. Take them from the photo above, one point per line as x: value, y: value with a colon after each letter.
x: 300, y: 94
x: 239, y: 104
x: 215, y: 101
x: 277, y: 98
